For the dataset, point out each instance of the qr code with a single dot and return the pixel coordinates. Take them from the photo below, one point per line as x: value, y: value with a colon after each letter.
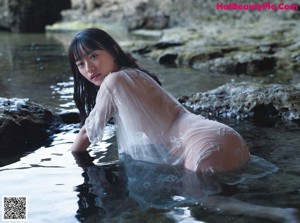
x: 14, y: 208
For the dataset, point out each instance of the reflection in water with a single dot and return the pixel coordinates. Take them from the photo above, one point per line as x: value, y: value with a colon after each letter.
x: 112, y: 189
x: 103, y: 191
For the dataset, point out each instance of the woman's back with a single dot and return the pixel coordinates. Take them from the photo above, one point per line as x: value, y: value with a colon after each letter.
x: 142, y: 104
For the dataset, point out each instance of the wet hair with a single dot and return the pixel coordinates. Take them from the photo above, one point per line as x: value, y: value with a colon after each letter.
x: 94, y: 39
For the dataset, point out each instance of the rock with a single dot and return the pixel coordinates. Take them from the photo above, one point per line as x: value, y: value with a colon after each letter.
x: 135, y: 13
x: 264, y: 104
x: 68, y: 117
x: 147, y: 17
x: 30, y: 15
x: 168, y: 13
x: 252, y: 49
x: 24, y: 125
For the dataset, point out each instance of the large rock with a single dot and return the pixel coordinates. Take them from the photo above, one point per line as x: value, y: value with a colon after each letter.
x: 30, y: 15
x: 24, y: 124
x: 159, y: 14
x: 254, y: 49
x: 264, y: 104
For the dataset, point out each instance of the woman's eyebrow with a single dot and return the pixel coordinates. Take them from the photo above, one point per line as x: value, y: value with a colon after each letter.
x: 86, y: 53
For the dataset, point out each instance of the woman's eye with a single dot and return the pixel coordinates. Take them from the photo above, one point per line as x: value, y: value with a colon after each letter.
x: 93, y: 56
x: 79, y: 64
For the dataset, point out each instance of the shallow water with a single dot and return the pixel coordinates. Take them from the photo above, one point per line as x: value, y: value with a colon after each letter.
x: 98, y: 187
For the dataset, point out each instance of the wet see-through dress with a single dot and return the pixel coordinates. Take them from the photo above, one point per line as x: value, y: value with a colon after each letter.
x: 152, y: 126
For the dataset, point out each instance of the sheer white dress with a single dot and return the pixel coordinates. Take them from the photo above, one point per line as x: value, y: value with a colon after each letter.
x: 152, y: 126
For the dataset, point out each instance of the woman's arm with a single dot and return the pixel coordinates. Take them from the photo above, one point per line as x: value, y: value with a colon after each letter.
x: 81, y: 142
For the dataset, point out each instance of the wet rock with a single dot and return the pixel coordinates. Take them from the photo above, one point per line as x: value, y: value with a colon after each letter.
x: 24, y: 125
x: 234, y: 48
x: 264, y: 104
x: 238, y: 65
x: 69, y: 117
x: 31, y: 15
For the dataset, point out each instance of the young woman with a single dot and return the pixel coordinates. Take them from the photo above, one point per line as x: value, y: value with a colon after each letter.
x: 151, y: 124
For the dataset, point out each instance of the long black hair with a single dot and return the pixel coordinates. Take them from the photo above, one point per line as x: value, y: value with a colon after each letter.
x: 94, y: 39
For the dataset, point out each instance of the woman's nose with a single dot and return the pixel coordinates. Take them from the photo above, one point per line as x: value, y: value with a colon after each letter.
x: 90, y: 67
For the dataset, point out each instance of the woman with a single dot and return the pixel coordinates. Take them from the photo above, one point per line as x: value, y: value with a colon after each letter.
x: 151, y: 124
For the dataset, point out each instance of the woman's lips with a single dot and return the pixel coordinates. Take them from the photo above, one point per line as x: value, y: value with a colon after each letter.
x: 95, y: 76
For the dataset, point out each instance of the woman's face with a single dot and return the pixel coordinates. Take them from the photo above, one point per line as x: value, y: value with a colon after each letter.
x: 95, y: 65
